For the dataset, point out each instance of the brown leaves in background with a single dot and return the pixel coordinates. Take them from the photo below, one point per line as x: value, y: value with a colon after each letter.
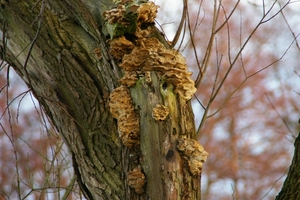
x: 34, y: 161
x: 246, y: 105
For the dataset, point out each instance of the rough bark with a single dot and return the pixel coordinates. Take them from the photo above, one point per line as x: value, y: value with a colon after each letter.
x: 51, y: 46
x: 290, y: 189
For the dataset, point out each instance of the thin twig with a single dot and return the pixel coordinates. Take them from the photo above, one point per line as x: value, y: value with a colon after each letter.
x: 229, y: 16
x: 286, y: 171
x: 248, y: 77
x: 197, y: 23
x: 276, y: 12
x: 12, y: 138
x: 9, y: 103
x: 230, y: 68
x: 278, y: 114
x: 40, y: 16
x: 290, y: 28
x: 204, y: 65
x: 204, y: 117
x: 194, y: 46
x: 183, y: 17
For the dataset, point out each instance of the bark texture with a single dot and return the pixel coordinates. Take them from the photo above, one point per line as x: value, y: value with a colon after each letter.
x: 290, y: 189
x: 51, y: 45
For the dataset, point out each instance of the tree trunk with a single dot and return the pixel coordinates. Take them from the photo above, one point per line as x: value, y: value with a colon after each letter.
x: 290, y: 189
x: 64, y: 51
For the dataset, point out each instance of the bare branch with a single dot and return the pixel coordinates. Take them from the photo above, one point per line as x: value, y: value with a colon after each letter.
x: 264, y: 21
x: 232, y: 63
x: 203, y: 67
x: 206, y: 110
x: 229, y: 16
x: 290, y: 28
x: 248, y: 77
x: 40, y: 17
x: 183, y: 17
x: 278, y: 114
x: 274, y: 184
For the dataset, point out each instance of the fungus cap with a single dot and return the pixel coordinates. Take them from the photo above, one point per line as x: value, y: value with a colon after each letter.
x: 160, y: 112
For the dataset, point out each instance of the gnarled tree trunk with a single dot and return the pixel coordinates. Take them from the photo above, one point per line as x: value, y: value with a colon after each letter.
x: 290, y: 189
x: 64, y: 51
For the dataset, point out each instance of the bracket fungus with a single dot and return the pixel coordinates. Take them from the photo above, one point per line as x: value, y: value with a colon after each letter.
x: 122, y: 109
x: 147, y: 53
x: 160, y: 112
x: 193, y: 153
x: 115, y: 15
x: 129, y: 78
x: 147, y: 12
x: 136, y: 179
x: 140, y: 54
x: 128, y: 16
x: 153, y: 56
x: 120, y: 46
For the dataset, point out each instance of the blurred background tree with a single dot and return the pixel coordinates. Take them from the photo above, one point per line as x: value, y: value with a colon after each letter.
x: 35, y: 163
x: 250, y: 122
